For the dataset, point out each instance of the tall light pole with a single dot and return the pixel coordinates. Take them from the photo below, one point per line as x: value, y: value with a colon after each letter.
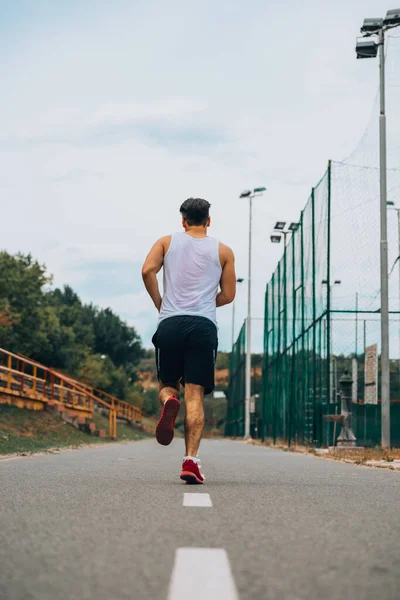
x: 238, y: 280
x: 250, y: 194
x: 392, y: 205
x: 369, y: 49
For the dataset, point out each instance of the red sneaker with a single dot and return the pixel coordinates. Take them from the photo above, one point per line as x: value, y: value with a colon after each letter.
x: 191, y: 472
x: 166, y: 422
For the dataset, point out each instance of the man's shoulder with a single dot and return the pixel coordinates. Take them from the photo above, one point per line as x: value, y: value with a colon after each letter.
x: 225, y: 253
x: 225, y: 248
x: 165, y: 242
x: 165, y: 238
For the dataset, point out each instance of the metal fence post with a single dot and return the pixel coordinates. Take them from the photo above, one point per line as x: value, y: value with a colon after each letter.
x: 265, y: 363
x: 293, y: 366
x: 328, y: 302
x: 285, y: 351
x: 314, y: 313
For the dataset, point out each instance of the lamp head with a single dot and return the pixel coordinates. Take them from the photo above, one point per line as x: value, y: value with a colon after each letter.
x: 366, y: 49
x: 276, y: 239
x: 371, y: 25
x: 280, y: 225
x: 392, y: 17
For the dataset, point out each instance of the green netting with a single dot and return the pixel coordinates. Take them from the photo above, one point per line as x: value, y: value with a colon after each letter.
x: 296, y: 369
x: 234, y: 426
x: 321, y: 307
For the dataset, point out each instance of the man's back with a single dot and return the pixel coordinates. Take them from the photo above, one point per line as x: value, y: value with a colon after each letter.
x: 192, y: 272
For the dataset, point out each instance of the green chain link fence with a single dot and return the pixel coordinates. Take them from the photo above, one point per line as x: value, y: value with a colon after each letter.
x: 296, y: 373
x: 234, y: 426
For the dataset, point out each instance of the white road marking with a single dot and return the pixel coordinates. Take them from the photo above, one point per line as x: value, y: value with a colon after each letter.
x: 192, y: 499
x: 202, y: 573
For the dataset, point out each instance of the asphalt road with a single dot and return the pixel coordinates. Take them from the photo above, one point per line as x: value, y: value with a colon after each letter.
x: 110, y: 523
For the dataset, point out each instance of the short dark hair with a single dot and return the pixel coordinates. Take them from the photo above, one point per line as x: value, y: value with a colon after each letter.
x: 195, y: 211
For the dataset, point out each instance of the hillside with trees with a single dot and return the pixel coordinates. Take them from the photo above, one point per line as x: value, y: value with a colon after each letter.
x: 54, y: 327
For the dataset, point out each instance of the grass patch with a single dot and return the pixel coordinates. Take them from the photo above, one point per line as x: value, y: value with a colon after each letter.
x: 359, y: 456
x: 125, y: 431
x: 24, y: 431
x: 363, y: 455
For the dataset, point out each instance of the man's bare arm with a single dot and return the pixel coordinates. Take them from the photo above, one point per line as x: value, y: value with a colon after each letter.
x: 151, y: 267
x: 228, y: 277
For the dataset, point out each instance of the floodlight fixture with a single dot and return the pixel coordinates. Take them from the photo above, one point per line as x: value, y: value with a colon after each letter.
x: 239, y: 280
x: 276, y: 239
x: 390, y: 203
x: 371, y: 25
x: 259, y: 190
x: 336, y: 282
x: 293, y: 226
x: 245, y: 194
x: 366, y: 49
x: 280, y: 225
x: 392, y: 17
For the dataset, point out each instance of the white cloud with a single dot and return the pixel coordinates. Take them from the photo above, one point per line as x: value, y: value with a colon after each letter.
x: 117, y: 117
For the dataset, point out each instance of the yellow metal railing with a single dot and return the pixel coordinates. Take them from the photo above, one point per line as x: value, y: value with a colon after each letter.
x: 124, y: 409
x: 23, y: 377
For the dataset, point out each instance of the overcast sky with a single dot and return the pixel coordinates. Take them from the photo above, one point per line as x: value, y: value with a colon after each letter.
x: 113, y: 113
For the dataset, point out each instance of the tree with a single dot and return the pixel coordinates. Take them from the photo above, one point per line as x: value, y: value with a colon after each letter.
x: 55, y: 328
x: 22, y: 298
x: 116, y: 339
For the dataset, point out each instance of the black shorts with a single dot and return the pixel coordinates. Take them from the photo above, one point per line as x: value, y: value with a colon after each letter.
x: 186, y: 350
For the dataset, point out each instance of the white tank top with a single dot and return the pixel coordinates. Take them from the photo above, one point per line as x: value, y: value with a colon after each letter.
x: 192, y: 272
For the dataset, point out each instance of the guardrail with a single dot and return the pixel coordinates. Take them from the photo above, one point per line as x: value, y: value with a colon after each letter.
x: 124, y: 409
x: 127, y: 411
x: 23, y: 377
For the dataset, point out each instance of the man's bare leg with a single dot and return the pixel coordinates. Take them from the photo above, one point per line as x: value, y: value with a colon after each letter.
x: 167, y: 390
x: 169, y: 412
x: 194, y: 421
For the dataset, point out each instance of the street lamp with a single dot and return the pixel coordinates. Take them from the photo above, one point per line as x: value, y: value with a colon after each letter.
x: 280, y: 228
x: 377, y: 28
x: 238, y: 280
x: 394, y: 207
x: 250, y: 194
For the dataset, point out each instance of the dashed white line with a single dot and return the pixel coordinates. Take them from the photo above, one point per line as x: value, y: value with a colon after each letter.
x: 202, y: 573
x: 192, y: 499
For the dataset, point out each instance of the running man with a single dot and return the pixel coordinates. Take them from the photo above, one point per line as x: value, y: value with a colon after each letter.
x: 186, y: 340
